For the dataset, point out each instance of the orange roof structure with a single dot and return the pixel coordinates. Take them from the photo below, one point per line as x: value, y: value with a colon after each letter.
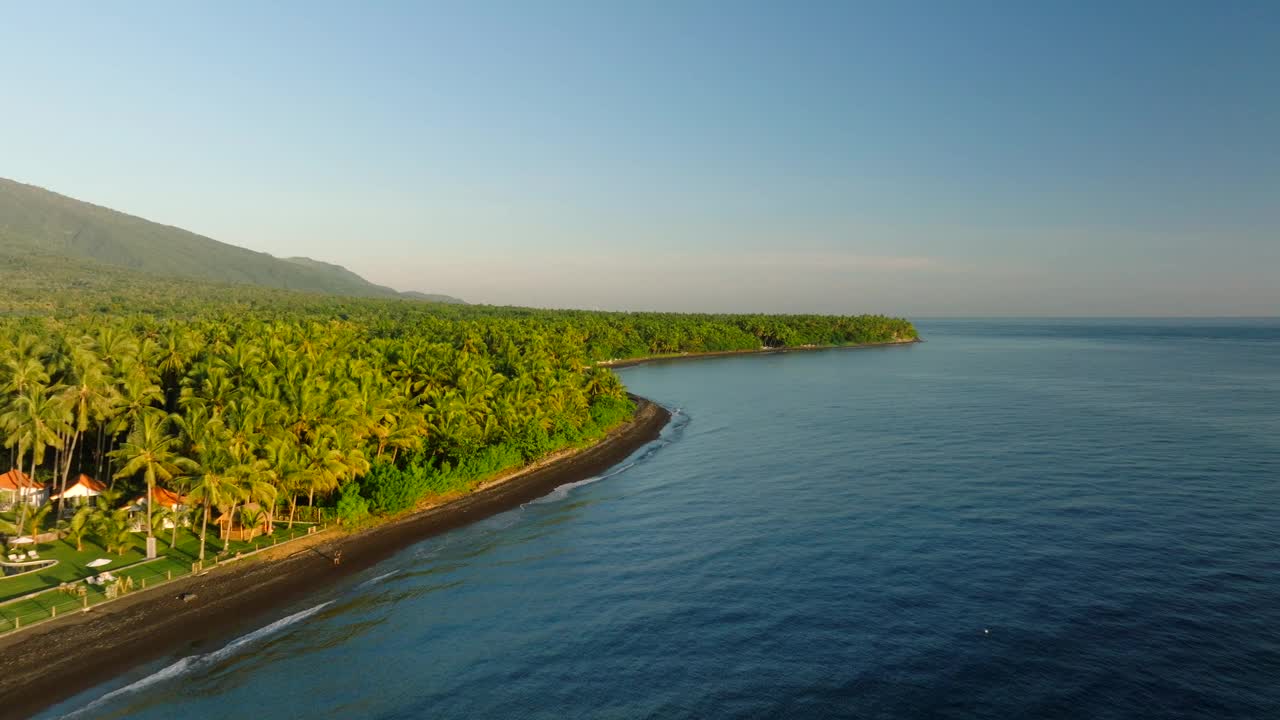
x: 163, y: 498
x: 227, y: 517
x: 15, y: 480
x: 82, y: 487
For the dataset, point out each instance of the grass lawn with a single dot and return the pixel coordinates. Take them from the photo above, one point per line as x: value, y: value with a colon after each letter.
x: 72, y: 565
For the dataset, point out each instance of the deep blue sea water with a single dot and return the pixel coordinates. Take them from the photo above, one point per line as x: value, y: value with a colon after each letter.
x: 1016, y: 519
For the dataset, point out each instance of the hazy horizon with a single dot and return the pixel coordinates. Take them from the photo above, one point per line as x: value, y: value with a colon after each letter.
x: 910, y: 159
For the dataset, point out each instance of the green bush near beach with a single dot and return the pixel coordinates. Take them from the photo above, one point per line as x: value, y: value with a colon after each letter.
x: 392, y: 487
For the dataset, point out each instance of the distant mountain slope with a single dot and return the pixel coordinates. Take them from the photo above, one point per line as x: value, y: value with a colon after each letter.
x: 336, y: 274
x: 39, y: 222
x: 431, y: 297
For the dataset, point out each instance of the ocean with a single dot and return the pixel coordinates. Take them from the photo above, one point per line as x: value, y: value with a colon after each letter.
x: 1014, y: 519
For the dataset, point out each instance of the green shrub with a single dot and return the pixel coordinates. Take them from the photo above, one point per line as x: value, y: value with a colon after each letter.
x: 352, y: 509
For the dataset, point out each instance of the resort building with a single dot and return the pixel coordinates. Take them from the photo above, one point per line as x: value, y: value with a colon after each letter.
x: 16, y: 486
x: 245, y: 523
x: 162, y: 498
x: 82, y: 491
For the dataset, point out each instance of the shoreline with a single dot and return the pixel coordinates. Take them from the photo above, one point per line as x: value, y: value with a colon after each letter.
x: 632, y: 362
x: 61, y: 658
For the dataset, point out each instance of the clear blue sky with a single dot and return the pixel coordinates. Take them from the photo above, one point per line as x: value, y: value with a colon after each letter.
x: 912, y: 158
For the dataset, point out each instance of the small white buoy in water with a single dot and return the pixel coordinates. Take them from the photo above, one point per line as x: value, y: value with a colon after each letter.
x: 986, y: 631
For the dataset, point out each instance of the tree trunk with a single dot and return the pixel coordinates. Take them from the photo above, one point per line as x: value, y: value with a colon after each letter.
x: 66, y: 470
x: 102, y: 434
x: 231, y: 522
x: 111, y: 462
x: 151, y: 490
x: 204, y: 527
x: 293, y: 507
x: 57, y: 461
x: 22, y: 498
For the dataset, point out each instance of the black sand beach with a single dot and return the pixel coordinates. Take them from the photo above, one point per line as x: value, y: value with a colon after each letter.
x: 58, y: 659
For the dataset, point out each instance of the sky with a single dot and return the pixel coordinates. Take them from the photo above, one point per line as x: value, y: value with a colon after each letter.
x: 910, y: 158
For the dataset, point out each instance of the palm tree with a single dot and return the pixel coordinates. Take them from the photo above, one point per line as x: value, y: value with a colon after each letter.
x: 248, y: 474
x: 177, y: 346
x: 181, y: 516
x: 139, y: 397
x: 107, y: 500
x: 36, y: 520
x: 36, y: 422
x: 114, y: 529
x: 24, y: 372
x: 79, y: 525
x: 321, y: 470
x: 151, y: 451
x: 211, y: 488
x: 92, y: 396
x: 163, y: 516
x: 601, y: 382
x: 115, y: 346
x: 251, y: 517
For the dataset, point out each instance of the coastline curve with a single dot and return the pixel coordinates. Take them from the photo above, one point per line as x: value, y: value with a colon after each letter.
x: 66, y: 656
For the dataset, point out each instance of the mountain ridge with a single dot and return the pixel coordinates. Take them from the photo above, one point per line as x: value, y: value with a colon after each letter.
x: 38, y: 221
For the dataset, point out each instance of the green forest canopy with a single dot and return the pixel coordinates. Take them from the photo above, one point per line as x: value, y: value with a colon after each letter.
x: 279, y: 398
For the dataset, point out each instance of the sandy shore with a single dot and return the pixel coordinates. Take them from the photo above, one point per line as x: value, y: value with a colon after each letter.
x: 615, y: 364
x: 58, y: 659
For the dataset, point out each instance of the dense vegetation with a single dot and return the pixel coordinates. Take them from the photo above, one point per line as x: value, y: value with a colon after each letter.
x: 37, y: 223
x: 235, y: 394
x: 364, y: 406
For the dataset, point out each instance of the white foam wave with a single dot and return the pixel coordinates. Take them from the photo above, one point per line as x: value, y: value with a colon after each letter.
x: 186, y: 664
x: 378, y: 579
x: 562, y: 491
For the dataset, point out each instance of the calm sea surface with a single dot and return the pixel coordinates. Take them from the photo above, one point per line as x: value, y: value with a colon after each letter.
x: 1016, y: 519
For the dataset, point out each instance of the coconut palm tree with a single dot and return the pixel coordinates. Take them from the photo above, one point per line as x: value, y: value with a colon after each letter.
x: 139, y: 397
x: 115, y: 530
x: 177, y: 348
x: 162, y: 519
x: 252, y: 517
x: 80, y: 525
x: 36, y: 421
x: 92, y: 396
x: 211, y: 487
x: 153, y: 452
x: 36, y: 520
x: 24, y: 372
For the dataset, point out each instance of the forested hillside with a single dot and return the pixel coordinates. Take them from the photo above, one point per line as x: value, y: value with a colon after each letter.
x: 37, y: 224
x: 140, y: 354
